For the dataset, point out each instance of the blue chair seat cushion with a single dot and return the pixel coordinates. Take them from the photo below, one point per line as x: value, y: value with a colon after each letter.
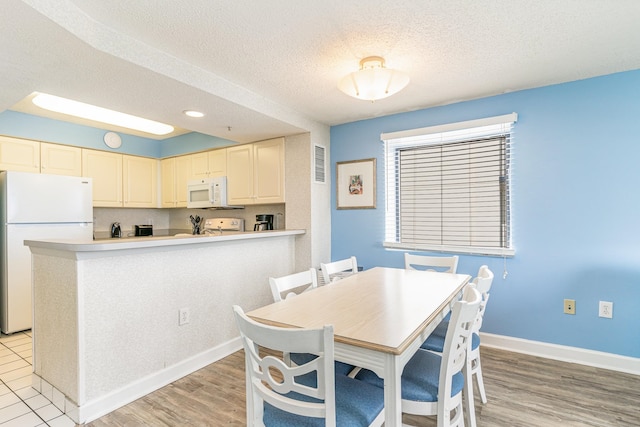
x: 435, y: 341
x: 302, y: 358
x: 420, y: 378
x: 357, y: 404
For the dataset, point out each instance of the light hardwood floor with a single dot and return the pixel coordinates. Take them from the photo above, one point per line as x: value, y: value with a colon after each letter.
x: 522, y: 391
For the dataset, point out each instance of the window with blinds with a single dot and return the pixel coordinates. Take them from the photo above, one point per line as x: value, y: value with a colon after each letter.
x: 447, y: 187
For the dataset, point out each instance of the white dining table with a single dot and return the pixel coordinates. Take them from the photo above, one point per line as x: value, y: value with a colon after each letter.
x: 380, y: 317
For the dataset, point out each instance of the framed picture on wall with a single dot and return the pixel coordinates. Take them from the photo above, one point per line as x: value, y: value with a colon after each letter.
x: 356, y: 184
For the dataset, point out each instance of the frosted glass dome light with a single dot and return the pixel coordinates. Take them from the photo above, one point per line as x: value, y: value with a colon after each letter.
x: 373, y: 80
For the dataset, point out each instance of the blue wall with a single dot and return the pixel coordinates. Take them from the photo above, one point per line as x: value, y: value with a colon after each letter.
x: 575, y: 206
x: 27, y: 126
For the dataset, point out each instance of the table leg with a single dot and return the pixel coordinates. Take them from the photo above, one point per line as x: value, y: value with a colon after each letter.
x: 392, y: 392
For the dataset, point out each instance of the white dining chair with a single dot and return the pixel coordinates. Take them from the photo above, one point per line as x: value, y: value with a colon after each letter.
x: 435, y: 342
x: 444, y: 264
x: 293, y: 284
x: 433, y: 383
x: 336, y: 270
x: 307, y: 395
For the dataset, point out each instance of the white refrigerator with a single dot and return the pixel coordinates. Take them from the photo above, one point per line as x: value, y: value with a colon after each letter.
x: 35, y: 207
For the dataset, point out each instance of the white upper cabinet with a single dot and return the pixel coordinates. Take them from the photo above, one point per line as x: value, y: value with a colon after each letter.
x: 56, y: 159
x: 168, y: 182
x: 240, y: 175
x: 120, y: 180
x: 255, y: 173
x: 209, y: 163
x: 18, y: 154
x: 183, y: 174
x: 106, y: 171
x: 140, y: 180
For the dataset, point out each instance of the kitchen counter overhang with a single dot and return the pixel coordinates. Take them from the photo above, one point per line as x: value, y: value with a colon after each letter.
x: 106, y: 247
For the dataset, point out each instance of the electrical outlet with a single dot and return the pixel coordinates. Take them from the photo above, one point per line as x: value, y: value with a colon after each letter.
x: 184, y: 316
x: 605, y: 309
x: 570, y: 306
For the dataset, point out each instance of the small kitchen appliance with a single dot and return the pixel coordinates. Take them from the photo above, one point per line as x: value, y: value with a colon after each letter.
x: 208, y: 193
x: 116, y: 231
x: 144, y: 230
x: 263, y: 222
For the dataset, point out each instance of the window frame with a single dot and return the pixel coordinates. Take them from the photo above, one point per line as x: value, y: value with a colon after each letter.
x: 441, y: 135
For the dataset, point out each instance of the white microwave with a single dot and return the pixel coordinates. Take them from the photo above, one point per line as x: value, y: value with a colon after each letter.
x: 208, y: 193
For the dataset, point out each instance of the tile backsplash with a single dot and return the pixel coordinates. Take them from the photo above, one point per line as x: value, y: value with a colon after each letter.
x: 176, y: 219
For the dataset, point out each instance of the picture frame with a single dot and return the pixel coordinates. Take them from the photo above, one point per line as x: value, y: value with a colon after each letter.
x: 356, y: 184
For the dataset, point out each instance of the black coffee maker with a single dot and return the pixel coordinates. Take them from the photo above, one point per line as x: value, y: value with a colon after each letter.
x: 263, y: 222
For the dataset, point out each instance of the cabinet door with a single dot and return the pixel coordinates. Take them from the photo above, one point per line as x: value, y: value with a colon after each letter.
x: 268, y: 166
x: 106, y: 170
x: 218, y: 162
x: 18, y: 154
x: 209, y: 163
x: 183, y: 174
x: 59, y: 159
x: 240, y: 175
x: 140, y: 177
x: 168, y: 182
x: 199, y: 165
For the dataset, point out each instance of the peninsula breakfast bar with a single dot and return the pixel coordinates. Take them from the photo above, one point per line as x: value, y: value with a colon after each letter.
x: 107, y: 328
x: 380, y: 317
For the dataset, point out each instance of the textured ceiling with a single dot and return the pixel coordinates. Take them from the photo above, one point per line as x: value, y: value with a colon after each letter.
x: 270, y: 68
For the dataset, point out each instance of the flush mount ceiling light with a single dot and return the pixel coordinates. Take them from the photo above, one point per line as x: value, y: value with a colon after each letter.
x: 99, y: 114
x: 373, y: 80
x: 193, y: 113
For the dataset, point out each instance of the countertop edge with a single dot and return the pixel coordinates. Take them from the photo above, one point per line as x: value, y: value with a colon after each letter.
x: 151, y: 242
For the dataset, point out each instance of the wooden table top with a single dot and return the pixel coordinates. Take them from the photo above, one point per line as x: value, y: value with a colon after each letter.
x: 382, y: 309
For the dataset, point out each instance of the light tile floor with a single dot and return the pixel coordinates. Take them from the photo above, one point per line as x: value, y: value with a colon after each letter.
x: 20, y: 404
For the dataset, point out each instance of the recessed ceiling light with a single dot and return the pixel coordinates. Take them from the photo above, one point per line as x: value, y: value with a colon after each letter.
x: 193, y: 113
x: 99, y: 114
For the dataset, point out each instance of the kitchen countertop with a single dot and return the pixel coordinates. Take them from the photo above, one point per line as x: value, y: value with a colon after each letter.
x: 118, y: 244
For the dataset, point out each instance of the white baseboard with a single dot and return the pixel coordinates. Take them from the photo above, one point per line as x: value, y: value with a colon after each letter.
x: 118, y: 398
x: 598, y: 359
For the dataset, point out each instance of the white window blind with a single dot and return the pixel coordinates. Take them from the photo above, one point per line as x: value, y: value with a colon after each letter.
x: 447, y: 187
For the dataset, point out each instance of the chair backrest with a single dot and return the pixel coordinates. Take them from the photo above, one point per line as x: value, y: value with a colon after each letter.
x: 457, y: 339
x: 261, y: 384
x: 298, y: 282
x: 483, y: 284
x: 336, y: 270
x: 484, y: 280
x: 444, y: 264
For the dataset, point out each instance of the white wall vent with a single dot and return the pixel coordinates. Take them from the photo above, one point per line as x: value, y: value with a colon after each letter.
x: 320, y: 174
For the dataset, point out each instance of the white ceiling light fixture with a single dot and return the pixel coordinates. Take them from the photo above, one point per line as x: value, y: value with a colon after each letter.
x: 193, y: 113
x: 373, y: 80
x: 99, y: 114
